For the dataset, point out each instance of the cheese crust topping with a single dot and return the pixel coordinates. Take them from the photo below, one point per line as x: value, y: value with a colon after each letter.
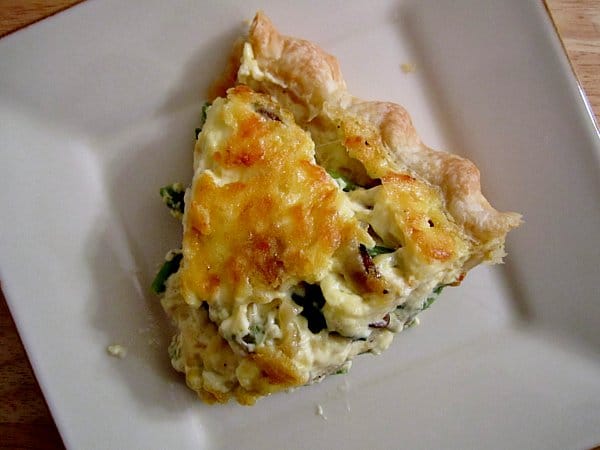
x: 262, y: 215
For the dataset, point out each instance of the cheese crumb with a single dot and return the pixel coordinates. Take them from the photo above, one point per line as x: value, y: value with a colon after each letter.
x: 408, y: 67
x: 117, y: 350
x: 320, y: 412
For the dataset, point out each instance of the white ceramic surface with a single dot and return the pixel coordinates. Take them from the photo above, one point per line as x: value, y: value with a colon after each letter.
x: 97, y: 110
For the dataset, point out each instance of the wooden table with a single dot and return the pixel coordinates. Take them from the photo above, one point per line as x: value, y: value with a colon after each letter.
x: 24, y: 418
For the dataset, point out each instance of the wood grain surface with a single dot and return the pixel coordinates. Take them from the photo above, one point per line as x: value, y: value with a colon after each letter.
x: 24, y: 418
x: 578, y: 25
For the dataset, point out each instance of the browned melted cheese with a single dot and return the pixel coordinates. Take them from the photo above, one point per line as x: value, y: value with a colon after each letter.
x: 421, y: 223
x: 363, y: 143
x: 271, y: 220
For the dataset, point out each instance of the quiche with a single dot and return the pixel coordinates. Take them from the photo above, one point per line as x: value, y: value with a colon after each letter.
x: 316, y: 227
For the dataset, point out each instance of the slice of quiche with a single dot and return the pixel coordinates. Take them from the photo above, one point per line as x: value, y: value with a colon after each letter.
x: 316, y: 227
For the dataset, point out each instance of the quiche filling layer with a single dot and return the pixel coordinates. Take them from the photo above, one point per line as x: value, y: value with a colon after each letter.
x: 313, y: 229
x: 287, y: 272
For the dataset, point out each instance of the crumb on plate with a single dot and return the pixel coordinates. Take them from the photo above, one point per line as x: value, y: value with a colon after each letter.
x: 408, y: 67
x: 320, y: 412
x: 117, y: 350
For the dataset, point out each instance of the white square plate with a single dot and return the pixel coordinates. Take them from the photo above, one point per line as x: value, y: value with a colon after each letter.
x: 97, y: 110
